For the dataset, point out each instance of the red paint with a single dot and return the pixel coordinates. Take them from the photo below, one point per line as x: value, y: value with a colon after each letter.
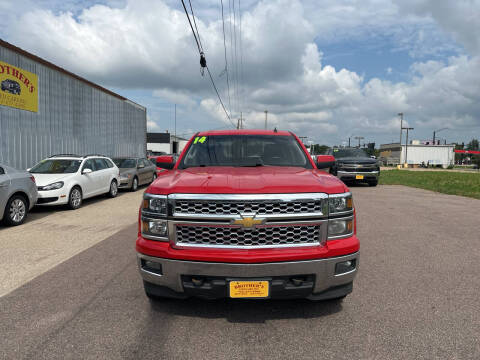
x: 247, y: 180
x: 165, y: 250
x: 467, y: 152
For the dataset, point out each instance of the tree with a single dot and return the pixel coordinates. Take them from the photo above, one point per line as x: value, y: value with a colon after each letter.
x: 473, y: 145
x: 318, y: 149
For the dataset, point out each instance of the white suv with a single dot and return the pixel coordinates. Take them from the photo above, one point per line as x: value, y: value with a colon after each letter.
x: 68, y: 179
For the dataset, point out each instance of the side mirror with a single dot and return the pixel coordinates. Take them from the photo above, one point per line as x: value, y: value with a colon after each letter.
x: 29, y: 169
x: 86, y: 171
x: 325, y: 161
x: 166, y: 162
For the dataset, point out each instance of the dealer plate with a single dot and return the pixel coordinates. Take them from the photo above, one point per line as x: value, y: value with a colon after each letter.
x: 249, y: 289
x: 359, y: 177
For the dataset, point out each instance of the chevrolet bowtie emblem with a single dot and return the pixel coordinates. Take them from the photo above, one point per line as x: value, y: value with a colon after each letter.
x: 248, y: 222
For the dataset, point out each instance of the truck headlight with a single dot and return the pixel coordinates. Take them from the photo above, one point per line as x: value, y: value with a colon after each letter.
x: 340, y: 228
x: 340, y: 203
x: 155, y: 204
x: 155, y: 227
x: 54, y: 186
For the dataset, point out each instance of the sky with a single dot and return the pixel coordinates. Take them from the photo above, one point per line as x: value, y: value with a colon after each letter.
x: 327, y: 70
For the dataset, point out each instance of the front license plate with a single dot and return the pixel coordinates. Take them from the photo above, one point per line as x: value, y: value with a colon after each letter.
x: 359, y: 177
x: 249, y: 289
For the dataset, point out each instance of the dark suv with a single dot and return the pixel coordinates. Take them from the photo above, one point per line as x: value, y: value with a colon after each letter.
x: 353, y: 164
x: 11, y: 86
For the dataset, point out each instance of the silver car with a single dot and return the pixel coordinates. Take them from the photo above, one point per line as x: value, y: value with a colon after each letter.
x: 18, y: 194
x: 135, y: 172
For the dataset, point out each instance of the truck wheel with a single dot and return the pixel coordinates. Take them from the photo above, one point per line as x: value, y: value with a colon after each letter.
x: 373, y: 183
x: 15, y: 211
x: 149, y: 291
x: 75, y: 198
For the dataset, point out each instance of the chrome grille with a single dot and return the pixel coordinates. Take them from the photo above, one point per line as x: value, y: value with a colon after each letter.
x: 245, y: 207
x: 264, y: 236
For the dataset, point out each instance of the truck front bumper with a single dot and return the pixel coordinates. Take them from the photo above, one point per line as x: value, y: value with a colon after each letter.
x: 318, y: 279
x: 355, y: 175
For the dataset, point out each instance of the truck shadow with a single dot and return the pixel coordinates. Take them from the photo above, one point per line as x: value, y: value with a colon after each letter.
x: 246, y: 311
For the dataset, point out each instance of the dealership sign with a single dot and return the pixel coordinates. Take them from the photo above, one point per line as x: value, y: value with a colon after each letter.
x: 19, y: 88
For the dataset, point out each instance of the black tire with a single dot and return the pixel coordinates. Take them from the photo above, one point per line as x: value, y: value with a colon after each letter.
x: 154, y: 177
x: 16, y: 210
x: 134, y: 186
x: 75, y: 198
x: 148, y: 292
x: 113, y: 192
x: 373, y: 183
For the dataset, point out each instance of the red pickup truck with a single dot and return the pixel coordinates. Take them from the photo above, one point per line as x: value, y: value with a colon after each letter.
x: 247, y: 214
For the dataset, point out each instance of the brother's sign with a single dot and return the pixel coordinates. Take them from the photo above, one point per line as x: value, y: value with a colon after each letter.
x: 19, y: 88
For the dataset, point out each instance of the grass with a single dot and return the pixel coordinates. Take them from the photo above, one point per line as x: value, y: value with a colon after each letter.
x: 446, y: 182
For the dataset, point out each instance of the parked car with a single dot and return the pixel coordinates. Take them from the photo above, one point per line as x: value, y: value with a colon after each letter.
x: 353, y: 164
x: 135, y: 172
x: 68, y: 179
x: 11, y: 86
x: 18, y: 194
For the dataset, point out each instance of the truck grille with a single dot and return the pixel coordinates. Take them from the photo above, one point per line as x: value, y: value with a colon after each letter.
x: 228, y: 236
x: 243, y: 207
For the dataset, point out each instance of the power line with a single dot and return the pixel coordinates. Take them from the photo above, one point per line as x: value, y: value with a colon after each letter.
x: 236, y: 56
x: 203, y: 62
x: 242, y: 94
x: 226, y: 61
x: 219, y: 98
x: 195, y: 23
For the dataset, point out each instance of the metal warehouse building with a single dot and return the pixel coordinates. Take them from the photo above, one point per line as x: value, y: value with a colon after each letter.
x: 47, y: 110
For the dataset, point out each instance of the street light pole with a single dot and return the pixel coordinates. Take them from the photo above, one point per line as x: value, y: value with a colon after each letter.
x: 401, y: 128
x: 359, y: 138
x: 406, y: 146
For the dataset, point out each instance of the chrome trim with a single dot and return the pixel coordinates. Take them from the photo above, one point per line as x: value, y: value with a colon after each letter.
x: 280, y: 198
x: 358, y: 172
x: 323, y: 269
x: 346, y: 194
x: 250, y: 197
x: 322, y: 236
x: 344, y: 235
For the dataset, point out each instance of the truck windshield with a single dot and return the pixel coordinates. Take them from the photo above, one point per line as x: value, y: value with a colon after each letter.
x: 343, y: 153
x: 56, y: 167
x: 244, y: 150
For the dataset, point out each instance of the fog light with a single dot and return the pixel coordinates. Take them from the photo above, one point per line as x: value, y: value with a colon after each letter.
x: 345, y: 266
x: 152, y: 266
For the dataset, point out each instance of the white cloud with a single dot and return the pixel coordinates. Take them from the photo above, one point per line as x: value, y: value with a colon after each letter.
x: 146, y: 44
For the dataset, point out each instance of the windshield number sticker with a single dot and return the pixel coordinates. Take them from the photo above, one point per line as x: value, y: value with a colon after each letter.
x: 335, y: 150
x: 200, y: 140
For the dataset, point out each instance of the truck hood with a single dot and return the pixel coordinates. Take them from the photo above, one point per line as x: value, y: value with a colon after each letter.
x: 246, y: 180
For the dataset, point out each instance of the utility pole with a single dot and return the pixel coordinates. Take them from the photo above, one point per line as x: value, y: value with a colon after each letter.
x: 266, y: 112
x: 359, y: 138
x: 436, y: 131
x: 175, y: 133
x: 349, y: 141
x: 406, y: 145
x: 401, y: 128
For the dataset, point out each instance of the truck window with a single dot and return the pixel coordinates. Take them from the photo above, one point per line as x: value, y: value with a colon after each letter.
x: 245, y: 150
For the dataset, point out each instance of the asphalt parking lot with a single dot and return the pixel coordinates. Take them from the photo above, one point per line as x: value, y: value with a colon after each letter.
x: 416, y: 295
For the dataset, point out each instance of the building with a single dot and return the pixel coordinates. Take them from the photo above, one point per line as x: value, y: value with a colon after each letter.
x: 417, y: 153
x: 165, y: 142
x: 46, y: 110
